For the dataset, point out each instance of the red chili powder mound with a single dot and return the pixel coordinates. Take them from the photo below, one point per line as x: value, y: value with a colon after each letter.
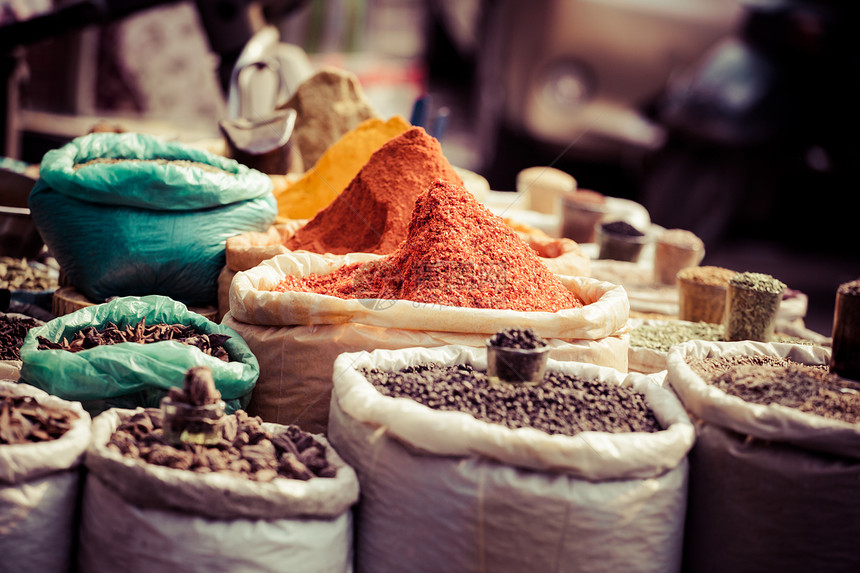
x: 371, y: 214
x: 456, y: 253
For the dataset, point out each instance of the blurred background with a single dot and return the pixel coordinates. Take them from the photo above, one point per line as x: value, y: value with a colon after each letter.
x: 735, y: 119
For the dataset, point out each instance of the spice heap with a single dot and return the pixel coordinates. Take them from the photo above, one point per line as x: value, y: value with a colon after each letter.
x: 18, y: 274
x: 663, y: 335
x: 562, y: 404
x: 245, y: 449
x: 13, y: 330
x: 520, y: 338
x: 770, y: 380
x: 340, y: 163
x: 456, y: 253
x: 90, y: 337
x: 372, y: 214
x: 23, y: 420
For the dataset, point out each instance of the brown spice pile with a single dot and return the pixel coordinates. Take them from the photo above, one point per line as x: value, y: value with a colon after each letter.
x: 13, y: 330
x: 707, y: 275
x: 372, y: 214
x: 769, y: 380
x: 90, y: 337
x: 456, y: 253
x: 23, y: 420
x: 245, y: 449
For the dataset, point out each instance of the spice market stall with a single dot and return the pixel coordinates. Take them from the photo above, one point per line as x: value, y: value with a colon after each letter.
x: 461, y: 274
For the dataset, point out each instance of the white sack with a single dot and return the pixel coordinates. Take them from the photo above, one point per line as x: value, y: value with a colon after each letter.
x: 771, y: 488
x: 178, y: 520
x: 252, y: 301
x: 39, y: 485
x: 767, y: 422
x: 442, y: 491
x: 296, y: 362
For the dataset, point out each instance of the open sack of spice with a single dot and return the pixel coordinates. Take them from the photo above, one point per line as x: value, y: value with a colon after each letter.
x: 461, y: 274
x: 585, y: 470
x: 652, y: 339
x: 231, y: 494
x: 775, y: 429
x: 130, y: 351
x: 30, y: 286
x: 13, y: 330
x: 154, y: 214
x: 42, y: 444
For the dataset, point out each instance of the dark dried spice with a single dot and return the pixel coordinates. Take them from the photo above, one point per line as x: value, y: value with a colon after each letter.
x: 90, y: 337
x: 562, y: 404
x: 13, y: 331
x: 770, y: 380
x: 245, y: 448
x: 23, y: 420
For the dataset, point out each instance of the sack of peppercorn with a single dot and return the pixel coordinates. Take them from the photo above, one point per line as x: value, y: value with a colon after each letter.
x: 259, y: 497
x: 155, y: 215
x: 313, y: 329
x: 585, y: 471
x: 130, y: 351
x: 42, y: 445
x: 773, y: 473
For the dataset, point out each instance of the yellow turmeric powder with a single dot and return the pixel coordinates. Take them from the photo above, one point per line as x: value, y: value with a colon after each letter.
x: 340, y: 163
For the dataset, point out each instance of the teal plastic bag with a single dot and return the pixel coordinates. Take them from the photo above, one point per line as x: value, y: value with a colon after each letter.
x: 130, y: 374
x: 129, y: 214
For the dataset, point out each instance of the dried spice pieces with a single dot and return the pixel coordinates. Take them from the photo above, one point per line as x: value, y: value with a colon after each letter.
x: 516, y: 356
x: 91, y: 337
x: 13, y: 330
x: 845, y: 359
x: 23, y: 420
x: 245, y: 449
x: 456, y: 253
x: 752, y: 302
x: 19, y: 274
x: 663, y: 335
x: 769, y: 380
x: 372, y: 214
x: 563, y: 404
x: 195, y: 412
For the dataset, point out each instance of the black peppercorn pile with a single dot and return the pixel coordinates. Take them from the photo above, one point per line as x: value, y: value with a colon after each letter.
x: 521, y: 338
x: 563, y: 404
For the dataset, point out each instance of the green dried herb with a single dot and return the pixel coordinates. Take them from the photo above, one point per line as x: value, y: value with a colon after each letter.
x: 752, y: 303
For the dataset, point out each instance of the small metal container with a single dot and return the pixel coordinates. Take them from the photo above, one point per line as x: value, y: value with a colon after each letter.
x: 516, y: 365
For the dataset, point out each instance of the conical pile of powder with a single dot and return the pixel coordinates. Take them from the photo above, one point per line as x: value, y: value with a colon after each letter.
x: 371, y: 215
x: 456, y: 253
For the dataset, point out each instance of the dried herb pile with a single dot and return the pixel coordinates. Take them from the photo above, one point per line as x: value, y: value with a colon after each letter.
x: 23, y: 420
x: 770, y: 380
x: 662, y: 336
x: 563, y: 404
x: 246, y: 449
x: 90, y: 337
x: 13, y: 331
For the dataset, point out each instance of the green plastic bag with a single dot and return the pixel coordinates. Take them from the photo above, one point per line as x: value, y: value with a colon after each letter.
x: 155, y: 222
x: 130, y: 374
